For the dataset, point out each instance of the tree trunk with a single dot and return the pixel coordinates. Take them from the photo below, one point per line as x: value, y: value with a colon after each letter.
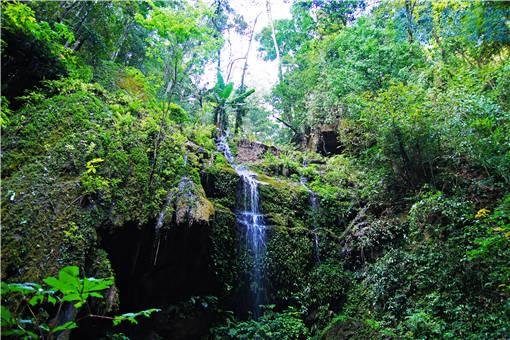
x: 409, y: 6
x: 245, y: 67
x: 240, y: 110
x: 122, y: 39
x: 273, y: 35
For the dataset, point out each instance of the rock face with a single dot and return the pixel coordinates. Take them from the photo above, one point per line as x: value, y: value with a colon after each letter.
x: 323, y: 140
x: 191, y: 206
x: 253, y: 152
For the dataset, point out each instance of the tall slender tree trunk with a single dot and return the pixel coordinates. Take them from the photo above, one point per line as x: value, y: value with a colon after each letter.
x: 122, y: 39
x: 217, y: 12
x: 77, y: 30
x: 240, y: 111
x: 273, y: 35
x: 245, y: 67
x: 409, y: 7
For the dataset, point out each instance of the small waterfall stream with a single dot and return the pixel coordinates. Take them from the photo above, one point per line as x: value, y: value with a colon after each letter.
x: 250, y: 217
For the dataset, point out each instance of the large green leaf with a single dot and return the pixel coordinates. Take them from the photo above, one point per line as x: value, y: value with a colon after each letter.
x: 67, y: 325
x: 227, y: 91
x: 240, y: 98
x: 220, y: 83
x: 24, y: 288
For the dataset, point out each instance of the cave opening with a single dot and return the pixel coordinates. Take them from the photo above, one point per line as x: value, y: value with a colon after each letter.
x: 182, y: 271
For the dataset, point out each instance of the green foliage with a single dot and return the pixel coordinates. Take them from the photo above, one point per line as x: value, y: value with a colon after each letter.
x: 435, y: 216
x: 325, y: 293
x: 493, y: 247
x: 5, y: 112
x: 91, y: 167
x: 74, y: 289
x: 430, y: 287
x: 131, y: 317
x: 223, y: 98
x: 415, y: 207
x: 281, y: 325
x: 178, y: 114
x: 18, y: 16
x: 67, y: 287
x: 391, y: 90
x: 32, y: 50
x: 422, y: 325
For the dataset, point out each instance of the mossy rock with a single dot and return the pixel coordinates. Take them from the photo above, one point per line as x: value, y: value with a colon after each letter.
x: 224, y: 236
x: 44, y: 227
x: 284, y: 203
x: 221, y: 184
x: 99, y: 266
x: 343, y: 327
x: 289, y: 257
x: 191, y: 205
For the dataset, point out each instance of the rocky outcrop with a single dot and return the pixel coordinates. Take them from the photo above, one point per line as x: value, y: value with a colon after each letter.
x: 253, y: 152
x: 324, y: 139
x: 191, y: 205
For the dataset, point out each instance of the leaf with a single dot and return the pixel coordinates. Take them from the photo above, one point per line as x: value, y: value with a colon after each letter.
x: 92, y: 284
x: 7, y: 319
x: 69, y: 272
x: 52, y: 299
x: 21, y: 332
x: 220, y: 83
x: 36, y: 299
x: 240, y: 98
x: 131, y: 317
x: 23, y: 288
x: 227, y: 91
x: 72, y: 297
x: 66, y: 326
x: 55, y: 283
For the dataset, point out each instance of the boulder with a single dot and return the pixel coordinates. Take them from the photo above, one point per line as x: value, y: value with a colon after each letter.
x: 191, y: 205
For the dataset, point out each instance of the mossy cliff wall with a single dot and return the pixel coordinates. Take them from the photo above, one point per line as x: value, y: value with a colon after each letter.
x: 85, y: 184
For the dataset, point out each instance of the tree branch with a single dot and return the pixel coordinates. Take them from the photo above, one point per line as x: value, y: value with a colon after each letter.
x: 287, y: 125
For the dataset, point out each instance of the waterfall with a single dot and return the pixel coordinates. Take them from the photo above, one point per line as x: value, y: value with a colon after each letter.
x: 314, y: 204
x: 250, y: 217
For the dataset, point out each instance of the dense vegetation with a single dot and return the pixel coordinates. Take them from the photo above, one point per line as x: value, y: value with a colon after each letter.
x: 384, y: 188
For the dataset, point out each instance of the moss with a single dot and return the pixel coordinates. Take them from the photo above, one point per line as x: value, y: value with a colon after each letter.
x: 52, y: 206
x: 343, y: 327
x: 289, y: 257
x: 44, y: 227
x: 284, y: 203
x: 225, y: 259
x: 220, y: 184
x: 99, y: 266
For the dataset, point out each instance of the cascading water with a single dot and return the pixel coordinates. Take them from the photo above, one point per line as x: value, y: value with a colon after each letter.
x: 314, y: 204
x: 250, y: 217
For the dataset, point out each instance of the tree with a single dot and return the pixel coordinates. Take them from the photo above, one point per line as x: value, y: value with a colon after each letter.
x: 223, y: 97
x: 180, y: 45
